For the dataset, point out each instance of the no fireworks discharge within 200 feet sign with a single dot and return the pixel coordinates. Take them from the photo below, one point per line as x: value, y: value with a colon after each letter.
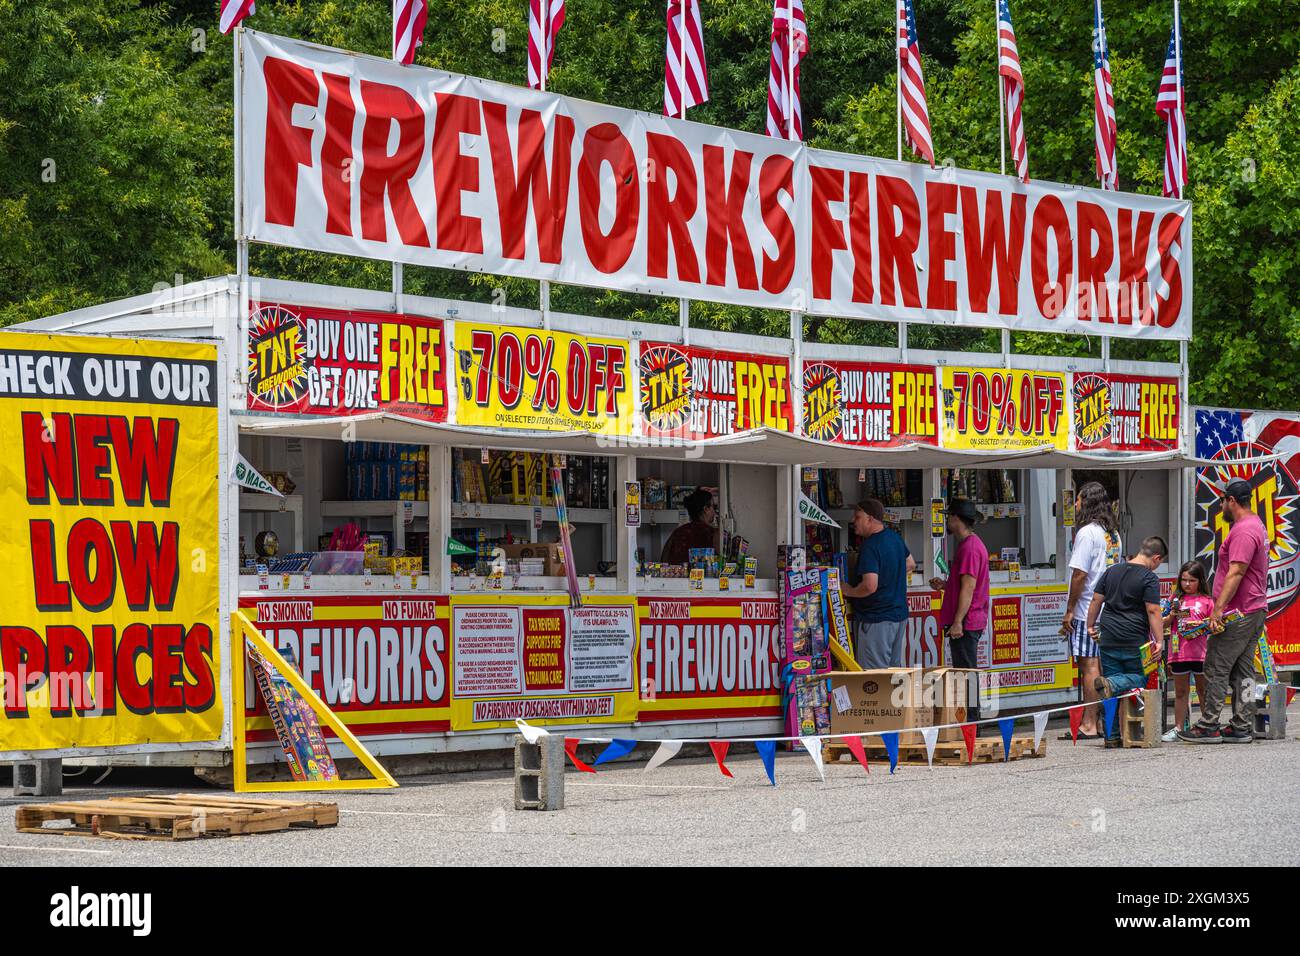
x: 109, y: 634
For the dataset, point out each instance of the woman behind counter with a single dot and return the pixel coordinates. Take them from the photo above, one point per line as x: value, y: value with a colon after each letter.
x: 699, y: 532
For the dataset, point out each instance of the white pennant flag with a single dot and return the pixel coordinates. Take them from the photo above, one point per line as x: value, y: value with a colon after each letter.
x: 931, y: 735
x: 246, y: 476
x: 668, y: 749
x: 1040, y: 725
x: 531, y: 734
x: 809, y: 511
x: 814, y: 747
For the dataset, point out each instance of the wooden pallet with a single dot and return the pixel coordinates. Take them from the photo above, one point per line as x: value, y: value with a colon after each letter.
x: 173, y: 817
x: 947, y: 753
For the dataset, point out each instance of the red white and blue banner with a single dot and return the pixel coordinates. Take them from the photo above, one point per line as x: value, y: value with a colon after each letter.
x: 359, y: 155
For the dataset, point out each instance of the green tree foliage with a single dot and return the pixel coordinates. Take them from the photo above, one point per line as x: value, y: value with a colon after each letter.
x: 115, y: 132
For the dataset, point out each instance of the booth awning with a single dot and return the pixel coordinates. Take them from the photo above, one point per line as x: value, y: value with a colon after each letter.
x: 761, y: 446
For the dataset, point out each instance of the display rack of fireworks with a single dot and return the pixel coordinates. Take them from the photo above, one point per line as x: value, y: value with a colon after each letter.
x: 806, y: 653
x: 386, y: 471
x: 522, y: 478
x: 994, y: 486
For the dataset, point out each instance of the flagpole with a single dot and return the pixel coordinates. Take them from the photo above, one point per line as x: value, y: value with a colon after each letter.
x: 789, y: 68
x: 1002, y: 106
x: 898, y: 82
x: 683, y: 304
x: 544, y: 287
x: 1178, y: 65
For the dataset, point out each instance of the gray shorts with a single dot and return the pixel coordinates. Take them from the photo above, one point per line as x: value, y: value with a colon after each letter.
x: 878, y: 644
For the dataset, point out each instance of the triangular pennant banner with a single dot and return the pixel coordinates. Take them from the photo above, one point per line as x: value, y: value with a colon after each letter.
x: 1290, y: 695
x: 968, y: 734
x: 616, y: 749
x: 1076, y: 718
x: 809, y: 511
x: 668, y: 749
x: 530, y: 733
x: 859, y: 752
x: 767, y: 754
x: 1108, y: 708
x: 571, y: 748
x: 719, y: 748
x: 246, y: 476
x: 890, y: 740
x: 1040, y: 726
x: 1008, y: 726
x: 814, y: 747
x: 931, y: 736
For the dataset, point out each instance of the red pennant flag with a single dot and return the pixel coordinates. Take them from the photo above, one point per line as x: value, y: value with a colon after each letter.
x: 1076, y: 718
x: 719, y: 748
x: 571, y: 748
x: 968, y: 731
x: 859, y: 752
x: 1290, y: 695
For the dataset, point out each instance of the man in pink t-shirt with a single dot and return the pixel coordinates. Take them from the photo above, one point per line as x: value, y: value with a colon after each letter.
x: 965, y: 609
x: 1241, y: 585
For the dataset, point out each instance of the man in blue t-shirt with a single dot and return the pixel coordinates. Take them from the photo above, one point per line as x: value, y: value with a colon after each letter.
x: 880, y: 596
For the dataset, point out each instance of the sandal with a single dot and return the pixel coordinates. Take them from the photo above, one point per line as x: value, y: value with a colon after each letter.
x: 1082, y: 736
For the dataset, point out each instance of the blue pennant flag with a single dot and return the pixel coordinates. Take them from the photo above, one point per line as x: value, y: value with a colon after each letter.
x: 1007, y: 725
x: 767, y: 753
x: 1109, y: 706
x: 890, y: 740
x: 616, y: 749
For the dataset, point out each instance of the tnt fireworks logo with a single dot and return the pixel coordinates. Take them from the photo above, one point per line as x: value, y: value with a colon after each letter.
x: 1274, y: 496
x: 823, y: 403
x: 666, y: 387
x: 1092, y: 410
x: 277, y: 357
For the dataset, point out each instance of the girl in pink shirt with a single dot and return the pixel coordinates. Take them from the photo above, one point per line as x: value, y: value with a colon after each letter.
x: 1191, y: 605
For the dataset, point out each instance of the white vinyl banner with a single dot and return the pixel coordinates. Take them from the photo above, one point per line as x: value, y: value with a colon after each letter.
x: 361, y: 156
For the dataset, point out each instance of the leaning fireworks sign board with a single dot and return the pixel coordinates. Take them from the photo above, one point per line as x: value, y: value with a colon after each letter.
x: 1243, y: 443
x: 109, y: 635
x: 357, y: 155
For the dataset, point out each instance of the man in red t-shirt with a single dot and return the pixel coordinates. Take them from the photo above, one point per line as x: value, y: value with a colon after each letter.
x: 1240, y: 584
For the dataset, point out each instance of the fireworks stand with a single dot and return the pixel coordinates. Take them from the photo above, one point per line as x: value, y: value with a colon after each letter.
x: 454, y: 513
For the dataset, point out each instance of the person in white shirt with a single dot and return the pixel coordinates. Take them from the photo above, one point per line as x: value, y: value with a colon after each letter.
x: 1096, y: 547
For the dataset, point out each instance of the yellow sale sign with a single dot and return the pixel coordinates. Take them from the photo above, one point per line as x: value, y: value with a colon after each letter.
x: 537, y: 379
x: 109, y: 632
x: 1003, y: 408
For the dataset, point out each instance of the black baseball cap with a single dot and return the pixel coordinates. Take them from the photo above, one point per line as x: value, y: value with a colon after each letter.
x: 1239, y: 490
x: 963, y: 508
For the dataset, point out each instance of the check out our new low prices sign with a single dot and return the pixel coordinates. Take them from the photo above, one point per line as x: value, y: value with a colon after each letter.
x: 109, y: 633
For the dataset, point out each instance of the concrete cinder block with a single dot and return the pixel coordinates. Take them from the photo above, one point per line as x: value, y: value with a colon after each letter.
x: 38, y: 778
x: 1270, y: 714
x: 539, y: 774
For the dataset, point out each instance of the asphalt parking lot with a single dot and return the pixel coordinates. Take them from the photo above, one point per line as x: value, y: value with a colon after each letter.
x: 1182, y: 805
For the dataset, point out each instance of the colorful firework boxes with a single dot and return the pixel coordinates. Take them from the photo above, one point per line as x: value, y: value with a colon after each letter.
x: 813, y: 621
x: 294, y: 721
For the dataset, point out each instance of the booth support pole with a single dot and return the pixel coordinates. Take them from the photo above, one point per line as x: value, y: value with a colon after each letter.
x: 1105, y: 353
x: 439, y: 518
x: 902, y: 342
x: 625, y: 471
x: 544, y: 287
x: 241, y: 239
x: 1006, y: 348
x: 398, y: 305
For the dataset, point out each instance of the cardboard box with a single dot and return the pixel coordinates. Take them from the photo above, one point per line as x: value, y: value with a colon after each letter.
x: 552, y: 553
x: 888, y: 699
x: 950, y: 691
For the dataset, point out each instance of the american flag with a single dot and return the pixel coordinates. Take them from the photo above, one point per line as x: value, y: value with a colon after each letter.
x: 409, y: 18
x: 1217, y: 428
x: 784, y: 114
x: 1013, y: 89
x: 545, y: 17
x: 1104, y: 104
x: 911, y: 84
x: 233, y: 11
x: 1169, y: 102
x: 696, y: 70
